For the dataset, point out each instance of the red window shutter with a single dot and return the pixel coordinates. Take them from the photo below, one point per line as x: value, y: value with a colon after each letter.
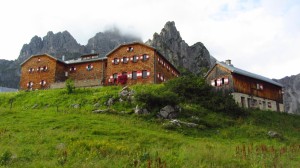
x: 212, y: 82
x: 226, y: 81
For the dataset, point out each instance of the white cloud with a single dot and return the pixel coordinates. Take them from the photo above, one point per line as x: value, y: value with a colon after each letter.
x: 261, y: 36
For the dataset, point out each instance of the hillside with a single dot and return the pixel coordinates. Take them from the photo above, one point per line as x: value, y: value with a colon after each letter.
x: 52, y: 128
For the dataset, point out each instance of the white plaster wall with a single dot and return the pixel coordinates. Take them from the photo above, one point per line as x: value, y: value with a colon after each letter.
x: 259, y: 104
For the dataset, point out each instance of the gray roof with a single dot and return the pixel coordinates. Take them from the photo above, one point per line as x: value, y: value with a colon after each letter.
x: 77, y: 61
x: 74, y: 61
x: 38, y: 55
x: 248, y: 74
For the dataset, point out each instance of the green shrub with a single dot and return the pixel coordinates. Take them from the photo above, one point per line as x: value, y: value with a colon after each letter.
x: 189, y: 88
x: 70, y: 86
x: 5, y: 158
x: 157, y: 98
x: 224, y: 103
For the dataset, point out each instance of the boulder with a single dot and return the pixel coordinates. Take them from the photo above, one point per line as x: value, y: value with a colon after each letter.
x: 100, y: 111
x: 110, y: 102
x: 139, y: 110
x: 169, y: 112
x: 180, y: 123
x: 126, y: 94
x: 35, y: 106
x: 75, y: 106
x: 96, y: 105
x: 274, y: 134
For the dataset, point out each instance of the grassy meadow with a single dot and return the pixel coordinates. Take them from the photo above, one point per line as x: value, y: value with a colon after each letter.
x: 45, y: 129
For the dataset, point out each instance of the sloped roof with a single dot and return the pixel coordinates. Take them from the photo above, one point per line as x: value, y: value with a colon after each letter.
x: 77, y: 61
x: 39, y: 55
x: 74, y: 61
x: 248, y: 74
x: 128, y: 44
x: 143, y: 44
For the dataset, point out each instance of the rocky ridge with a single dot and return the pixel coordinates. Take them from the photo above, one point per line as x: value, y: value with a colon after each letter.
x: 195, y: 58
x: 291, y: 95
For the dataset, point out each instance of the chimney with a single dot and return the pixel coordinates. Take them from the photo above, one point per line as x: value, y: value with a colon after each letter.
x: 228, y: 62
x: 63, y: 57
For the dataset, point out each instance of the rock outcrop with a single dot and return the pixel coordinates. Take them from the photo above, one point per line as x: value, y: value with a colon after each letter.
x: 291, y: 96
x: 195, y: 58
x: 103, y: 43
x: 61, y: 43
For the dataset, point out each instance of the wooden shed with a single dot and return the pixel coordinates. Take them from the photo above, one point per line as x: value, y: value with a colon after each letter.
x: 248, y: 89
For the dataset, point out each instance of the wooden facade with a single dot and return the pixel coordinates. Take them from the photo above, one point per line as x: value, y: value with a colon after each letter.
x: 133, y: 63
x: 248, y: 89
x: 138, y: 63
x: 40, y: 71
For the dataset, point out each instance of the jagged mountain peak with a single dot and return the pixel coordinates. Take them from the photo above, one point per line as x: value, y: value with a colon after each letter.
x: 103, y: 42
x: 170, y: 32
x: 194, y: 58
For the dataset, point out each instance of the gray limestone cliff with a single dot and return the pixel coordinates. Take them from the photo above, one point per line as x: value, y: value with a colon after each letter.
x: 103, y: 43
x: 61, y: 43
x: 195, y: 58
x: 291, y: 94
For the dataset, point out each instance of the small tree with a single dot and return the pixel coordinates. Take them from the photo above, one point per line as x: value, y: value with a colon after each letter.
x: 70, y: 86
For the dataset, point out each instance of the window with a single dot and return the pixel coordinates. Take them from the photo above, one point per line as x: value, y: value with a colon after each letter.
x: 43, y: 83
x: 45, y: 68
x: 145, y: 57
x: 226, y: 81
x: 72, y: 69
x: 212, y: 82
x: 269, y: 105
x: 219, y: 82
x: 264, y: 105
x: 259, y: 86
x: 89, y: 67
x: 31, y: 70
x: 162, y: 78
x: 129, y: 49
x: 134, y: 75
x: 216, y: 83
x: 115, y: 75
x: 125, y: 60
x: 134, y: 58
x: 30, y: 84
x: 116, y: 61
x: 144, y: 74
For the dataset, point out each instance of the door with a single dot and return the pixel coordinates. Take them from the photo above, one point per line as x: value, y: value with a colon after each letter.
x: 243, y: 101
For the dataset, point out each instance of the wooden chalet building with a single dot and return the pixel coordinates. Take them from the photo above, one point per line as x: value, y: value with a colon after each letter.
x: 132, y: 63
x: 248, y: 89
x: 40, y: 71
x: 138, y: 63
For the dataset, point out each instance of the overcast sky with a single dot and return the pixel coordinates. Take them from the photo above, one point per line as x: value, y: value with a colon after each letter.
x: 260, y: 36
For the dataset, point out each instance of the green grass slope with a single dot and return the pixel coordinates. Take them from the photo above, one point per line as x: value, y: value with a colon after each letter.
x: 44, y: 129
